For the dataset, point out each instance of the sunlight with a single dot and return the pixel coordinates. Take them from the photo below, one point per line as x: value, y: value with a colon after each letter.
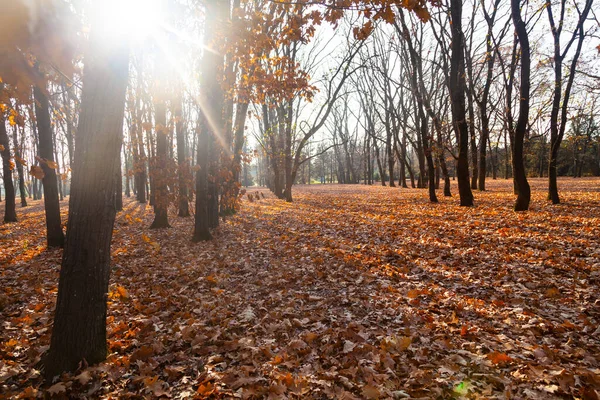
x: 136, y: 20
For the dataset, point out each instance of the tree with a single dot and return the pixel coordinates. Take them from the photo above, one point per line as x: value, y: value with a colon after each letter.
x: 483, y: 100
x: 19, y: 161
x: 520, y: 178
x: 160, y: 170
x: 211, y: 126
x: 10, y: 214
x: 54, y: 234
x: 183, y: 164
x: 79, y: 330
x: 457, y: 94
x: 557, y: 128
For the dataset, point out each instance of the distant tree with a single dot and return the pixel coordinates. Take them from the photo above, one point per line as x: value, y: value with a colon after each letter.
x: 18, y: 155
x: 183, y: 168
x: 54, y: 234
x: 160, y: 168
x: 10, y: 214
x: 560, y: 101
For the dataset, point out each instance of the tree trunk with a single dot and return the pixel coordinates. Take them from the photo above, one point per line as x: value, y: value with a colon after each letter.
x: 160, y: 173
x: 522, y: 186
x: 379, y: 163
x: 119, y: 186
x: 54, y: 233
x: 10, y: 213
x: 473, y: 135
x: 201, y: 225
x: 79, y: 330
x: 19, y: 165
x: 457, y: 94
x: 127, y: 173
x: 217, y: 14
x: 184, y: 167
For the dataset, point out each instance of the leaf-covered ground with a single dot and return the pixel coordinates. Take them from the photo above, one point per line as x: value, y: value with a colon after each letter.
x: 349, y: 292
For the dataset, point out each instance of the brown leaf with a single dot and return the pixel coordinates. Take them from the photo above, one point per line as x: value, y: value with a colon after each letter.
x: 37, y: 172
x: 370, y: 392
x: 143, y: 353
x: 57, y: 388
x: 83, y: 378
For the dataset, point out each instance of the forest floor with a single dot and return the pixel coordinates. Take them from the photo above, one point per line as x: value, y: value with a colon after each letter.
x: 350, y: 292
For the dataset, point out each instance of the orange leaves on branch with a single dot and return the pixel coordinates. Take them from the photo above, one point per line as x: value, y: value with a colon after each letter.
x: 35, y: 31
x: 423, y: 14
x: 363, y: 32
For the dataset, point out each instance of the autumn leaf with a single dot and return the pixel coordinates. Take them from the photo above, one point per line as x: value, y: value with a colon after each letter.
x: 348, y: 346
x: 2, y: 148
x: 370, y: 392
x: 123, y: 294
x: 84, y: 377
x: 206, y: 389
x: 29, y: 393
x: 143, y: 353
x: 37, y: 172
x: 150, y: 380
x: 499, y: 358
x: 57, y: 388
x: 152, y: 243
x: 20, y: 160
x: 423, y: 14
x: 51, y: 164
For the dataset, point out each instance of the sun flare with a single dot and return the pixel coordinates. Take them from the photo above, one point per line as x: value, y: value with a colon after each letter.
x: 136, y: 20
